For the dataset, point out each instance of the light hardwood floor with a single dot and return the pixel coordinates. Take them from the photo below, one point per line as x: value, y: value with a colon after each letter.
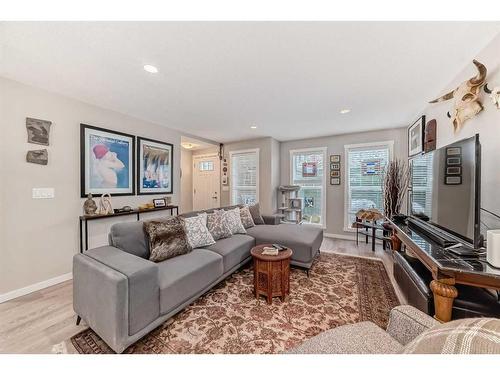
x: 35, y: 323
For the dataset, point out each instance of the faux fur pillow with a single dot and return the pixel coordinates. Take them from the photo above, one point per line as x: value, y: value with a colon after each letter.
x: 217, y: 225
x: 167, y: 238
x: 246, y: 217
x: 197, y: 231
x: 233, y: 219
x: 256, y: 216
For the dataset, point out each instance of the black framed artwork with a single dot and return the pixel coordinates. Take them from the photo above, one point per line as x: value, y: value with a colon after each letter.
x: 416, y: 133
x: 107, y: 162
x: 154, y: 166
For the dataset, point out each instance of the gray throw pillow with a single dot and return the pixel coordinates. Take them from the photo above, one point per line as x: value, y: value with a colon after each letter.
x: 256, y: 216
x: 233, y: 219
x: 246, y: 217
x: 217, y: 225
x: 197, y: 231
x: 167, y: 238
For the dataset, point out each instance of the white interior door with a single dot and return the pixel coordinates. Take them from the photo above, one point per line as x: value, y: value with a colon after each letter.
x: 206, y: 182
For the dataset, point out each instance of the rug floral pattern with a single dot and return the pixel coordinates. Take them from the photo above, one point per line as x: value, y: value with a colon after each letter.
x: 229, y: 319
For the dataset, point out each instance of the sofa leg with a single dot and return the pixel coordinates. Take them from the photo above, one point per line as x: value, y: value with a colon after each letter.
x: 307, y: 273
x: 78, y: 320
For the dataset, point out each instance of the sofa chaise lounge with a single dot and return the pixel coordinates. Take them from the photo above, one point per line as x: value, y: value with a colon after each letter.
x: 122, y: 295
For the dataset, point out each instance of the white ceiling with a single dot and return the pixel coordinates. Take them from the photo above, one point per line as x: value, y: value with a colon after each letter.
x: 216, y: 79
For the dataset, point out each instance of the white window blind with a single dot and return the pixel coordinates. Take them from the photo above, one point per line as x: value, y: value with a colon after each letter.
x: 244, y: 177
x: 308, y: 171
x: 364, y: 166
x: 422, y: 184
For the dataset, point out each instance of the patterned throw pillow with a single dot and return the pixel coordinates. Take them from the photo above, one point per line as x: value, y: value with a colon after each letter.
x: 217, y: 225
x: 167, y: 238
x: 246, y: 217
x: 463, y: 336
x: 233, y: 219
x: 197, y: 231
x: 256, y: 216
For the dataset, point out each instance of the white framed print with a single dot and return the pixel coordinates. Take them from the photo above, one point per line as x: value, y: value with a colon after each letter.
x: 416, y: 137
x: 154, y: 167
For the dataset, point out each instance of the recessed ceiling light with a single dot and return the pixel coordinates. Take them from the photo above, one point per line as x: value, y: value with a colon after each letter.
x: 150, y: 68
x: 253, y: 127
x: 344, y: 111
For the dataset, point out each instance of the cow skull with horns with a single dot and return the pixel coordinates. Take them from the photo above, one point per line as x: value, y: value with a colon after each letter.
x: 466, y: 97
x: 494, y: 95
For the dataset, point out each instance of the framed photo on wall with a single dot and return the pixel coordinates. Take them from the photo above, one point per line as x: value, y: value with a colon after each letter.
x: 154, y: 167
x: 107, y: 162
x: 416, y: 137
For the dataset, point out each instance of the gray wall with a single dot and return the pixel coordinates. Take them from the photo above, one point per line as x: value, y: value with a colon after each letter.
x: 335, y: 145
x: 39, y: 237
x: 186, y: 181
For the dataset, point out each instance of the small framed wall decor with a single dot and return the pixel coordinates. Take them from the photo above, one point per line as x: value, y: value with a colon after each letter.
x: 416, y: 137
x: 453, y: 167
x: 334, y: 173
x: 334, y: 166
x: 334, y: 180
x: 334, y: 158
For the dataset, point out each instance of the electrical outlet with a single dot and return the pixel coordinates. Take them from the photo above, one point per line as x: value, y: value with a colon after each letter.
x: 42, y: 193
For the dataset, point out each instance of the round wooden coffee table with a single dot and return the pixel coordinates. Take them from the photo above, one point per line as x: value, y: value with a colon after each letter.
x: 271, y: 273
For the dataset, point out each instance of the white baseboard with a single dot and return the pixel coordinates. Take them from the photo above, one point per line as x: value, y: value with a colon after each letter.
x: 340, y: 236
x: 35, y: 287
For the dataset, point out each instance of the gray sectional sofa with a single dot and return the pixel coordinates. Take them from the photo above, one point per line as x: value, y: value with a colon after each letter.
x: 122, y: 295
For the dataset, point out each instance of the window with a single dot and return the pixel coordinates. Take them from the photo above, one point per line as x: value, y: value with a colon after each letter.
x: 364, y: 164
x: 244, y: 176
x: 307, y: 169
x: 422, y: 184
x: 206, y: 166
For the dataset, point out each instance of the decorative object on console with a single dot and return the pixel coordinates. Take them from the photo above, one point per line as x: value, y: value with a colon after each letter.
x: 494, y: 95
x: 38, y: 157
x: 154, y: 166
x: 167, y: 238
x: 371, y: 214
x: 493, y: 247
x: 395, y: 183
x: 197, y: 232
x: 466, y: 98
x: 89, y: 206
x: 453, y: 166
x: 105, y: 207
x: 416, y: 137
x: 430, y: 132
x: 159, y: 202
x: 106, y: 162
x: 38, y: 131
x: 122, y: 209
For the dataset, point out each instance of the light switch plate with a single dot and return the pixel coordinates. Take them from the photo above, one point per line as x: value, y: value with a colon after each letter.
x: 43, y: 193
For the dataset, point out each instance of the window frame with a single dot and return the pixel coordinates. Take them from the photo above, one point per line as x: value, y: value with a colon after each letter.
x: 257, y: 171
x: 347, y: 148
x: 326, y: 171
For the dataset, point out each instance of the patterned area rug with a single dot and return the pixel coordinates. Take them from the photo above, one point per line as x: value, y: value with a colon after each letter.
x: 229, y: 319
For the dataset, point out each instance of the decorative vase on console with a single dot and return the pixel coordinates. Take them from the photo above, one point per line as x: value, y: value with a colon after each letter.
x: 395, y: 182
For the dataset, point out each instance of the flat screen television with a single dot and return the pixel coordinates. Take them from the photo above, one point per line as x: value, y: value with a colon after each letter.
x: 445, y: 190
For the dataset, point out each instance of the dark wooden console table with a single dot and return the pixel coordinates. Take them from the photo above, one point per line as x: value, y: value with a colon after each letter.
x: 86, y: 218
x: 447, y: 269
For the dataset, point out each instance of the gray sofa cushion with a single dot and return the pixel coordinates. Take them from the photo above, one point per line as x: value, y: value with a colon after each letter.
x: 182, y: 277
x: 303, y: 240
x: 359, y: 338
x: 233, y: 250
x: 130, y: 237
